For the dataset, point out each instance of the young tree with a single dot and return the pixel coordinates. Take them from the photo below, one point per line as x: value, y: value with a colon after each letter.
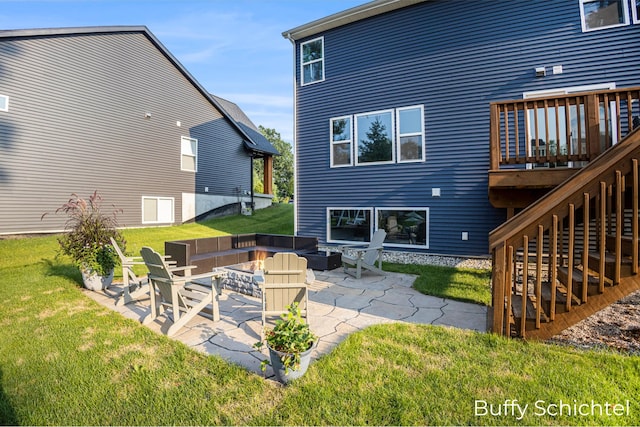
x: 377, y: 148
x: 282, y: 166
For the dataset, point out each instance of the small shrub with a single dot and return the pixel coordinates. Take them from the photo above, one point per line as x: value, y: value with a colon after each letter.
x: 87, y: 234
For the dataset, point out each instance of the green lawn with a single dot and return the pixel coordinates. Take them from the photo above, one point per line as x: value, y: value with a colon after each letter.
x: 66, y: 360
x: 464, y: 284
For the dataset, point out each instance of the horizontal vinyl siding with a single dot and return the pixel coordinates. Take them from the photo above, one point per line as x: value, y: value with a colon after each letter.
x: 77, y: 123
x: 454, y: 57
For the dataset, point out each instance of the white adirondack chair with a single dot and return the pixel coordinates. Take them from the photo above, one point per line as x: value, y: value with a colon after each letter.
x: 133, y: 285
x: 364, y: 257
x: 186, y: 295
x: 284, y: 283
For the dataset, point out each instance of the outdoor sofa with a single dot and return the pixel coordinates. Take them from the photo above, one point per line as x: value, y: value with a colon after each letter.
x: 211, y: 252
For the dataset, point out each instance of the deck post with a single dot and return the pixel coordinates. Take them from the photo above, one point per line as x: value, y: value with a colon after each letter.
x: 592, y: 106
x: 495, y: 317
x: 494, y: 138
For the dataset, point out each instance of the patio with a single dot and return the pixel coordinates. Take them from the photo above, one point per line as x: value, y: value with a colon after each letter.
x: 338, y: 305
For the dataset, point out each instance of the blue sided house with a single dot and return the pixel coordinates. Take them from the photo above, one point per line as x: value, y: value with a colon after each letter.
x: 412, y: 116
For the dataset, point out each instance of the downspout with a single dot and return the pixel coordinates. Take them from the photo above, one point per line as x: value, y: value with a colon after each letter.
x: 253, y: 207
x: 296, y: 193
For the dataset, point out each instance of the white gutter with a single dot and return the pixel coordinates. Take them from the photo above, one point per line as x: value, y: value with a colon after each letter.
x: 295, y: 136
x: 354, y: 14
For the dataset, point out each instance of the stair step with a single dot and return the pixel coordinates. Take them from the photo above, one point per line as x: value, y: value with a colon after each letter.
x: 593, y: 283
x: 561, y: 299
x: 610, y: 264
x: 627, y: 245
x: 516, y: 309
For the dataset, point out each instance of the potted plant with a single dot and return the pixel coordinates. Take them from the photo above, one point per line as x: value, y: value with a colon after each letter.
x: 87, y: 239
x: 290, y: 343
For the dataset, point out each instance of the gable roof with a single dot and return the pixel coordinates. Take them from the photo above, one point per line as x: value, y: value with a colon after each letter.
x: 251, y: 137
x: 354, y: 14
x: 260, y: 143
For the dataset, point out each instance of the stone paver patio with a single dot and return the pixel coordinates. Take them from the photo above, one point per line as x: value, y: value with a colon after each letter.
x: 338, y: 305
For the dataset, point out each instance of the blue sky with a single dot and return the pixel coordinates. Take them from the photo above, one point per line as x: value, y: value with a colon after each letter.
x: 234, y: 48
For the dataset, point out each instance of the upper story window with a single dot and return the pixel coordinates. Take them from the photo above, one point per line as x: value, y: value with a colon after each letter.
x: 4, y: 103
x: 635, y: 7
x: 374, y: 133
x: 341, y: 141
x: 312, y: 58
x: 189, y: 154
x: 600, y: 14
x: 410, y: 134
x: 378, y: 137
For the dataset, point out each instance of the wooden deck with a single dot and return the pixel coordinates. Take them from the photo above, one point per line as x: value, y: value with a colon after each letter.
x: 537, y: 144
x: 576, y: 249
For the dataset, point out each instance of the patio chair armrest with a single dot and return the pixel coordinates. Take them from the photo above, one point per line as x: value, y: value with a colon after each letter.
x: 204, y: 275
x: 182, y: 267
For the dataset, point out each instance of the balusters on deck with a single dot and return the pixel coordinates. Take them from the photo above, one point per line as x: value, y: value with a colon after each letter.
x: 572, y: 128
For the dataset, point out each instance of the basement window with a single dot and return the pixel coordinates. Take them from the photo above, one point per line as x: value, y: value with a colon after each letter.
x: 349, y: 224
x: 405, y: 227
x: 158, y: 210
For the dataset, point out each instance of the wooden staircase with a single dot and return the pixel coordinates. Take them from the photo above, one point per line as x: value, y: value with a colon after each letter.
x: 571, y: 253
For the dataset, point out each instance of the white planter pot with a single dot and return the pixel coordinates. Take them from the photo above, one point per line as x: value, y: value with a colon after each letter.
x: 95, y: 282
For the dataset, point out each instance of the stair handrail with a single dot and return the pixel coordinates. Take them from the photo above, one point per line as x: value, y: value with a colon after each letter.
x: 539, y: 217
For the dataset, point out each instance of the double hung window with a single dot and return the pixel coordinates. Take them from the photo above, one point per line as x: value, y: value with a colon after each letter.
x: 312, y: 59
x: 189, y: 154
x: 341, y: 141
x: 410, y: 134
x: 600, y: 14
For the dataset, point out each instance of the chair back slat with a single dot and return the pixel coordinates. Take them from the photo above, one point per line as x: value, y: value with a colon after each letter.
x: 155, y: 263
x: 377, y: 240
x: 285, y: 277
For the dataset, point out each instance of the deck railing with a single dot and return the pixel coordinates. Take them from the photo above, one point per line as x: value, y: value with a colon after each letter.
x: 569, y: 245
x: 560, y: 129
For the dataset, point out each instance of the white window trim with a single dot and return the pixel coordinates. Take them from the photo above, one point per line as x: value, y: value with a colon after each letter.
x: 6, y: 103
x: 421, y: 134
x: 401, y: 245
x: 302, y: 63
x: 356, y: 144
x: 634, y: 11
x: 195, y: 163
x: 173, y: 209
x: 350, y: 141
x: 584, y: 23
x: 349, y: 208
